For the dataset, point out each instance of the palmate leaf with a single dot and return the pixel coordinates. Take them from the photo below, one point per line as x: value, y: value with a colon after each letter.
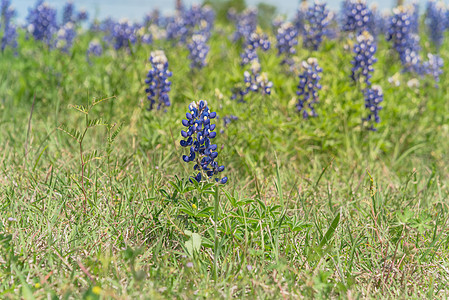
x: 75, y: 134
x: 80, y: 108
x: 96, y: 122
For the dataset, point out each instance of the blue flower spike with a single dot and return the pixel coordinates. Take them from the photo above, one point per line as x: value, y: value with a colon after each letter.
x: 308, y: 88
x: 434, y: 67
x: 362, y: 63
x: 256, y: 39
x: 157, y: 80
x: 254, y: 81
x: 405, y: 41
x: 373, y: 97
x: 42, y: 22
x: 198, y: 49
x: 9, y: 35
x: 198, y: 138
x: 356, y: 16
x: 287, y: 39
x: 436, y: 15
x: 316, y: 27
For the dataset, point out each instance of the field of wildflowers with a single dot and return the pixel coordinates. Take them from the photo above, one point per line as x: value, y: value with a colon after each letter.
x: 201, y: 155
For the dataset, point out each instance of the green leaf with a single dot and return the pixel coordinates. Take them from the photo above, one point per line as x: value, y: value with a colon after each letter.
x: 39, y: 158
x: 175, y: 185
x: 80, y: 108
x: 300, y: 227
x: 95, y: 102
x: 406, y: 217
x: 75, y: 134
x: 114, y: 134
x: 194, y: 243
x: 330, y: 231
x: 91, y: 156
x: 261, y: 204
x: 96, y: 122
x: 205, y: 213
x: 188, y: 211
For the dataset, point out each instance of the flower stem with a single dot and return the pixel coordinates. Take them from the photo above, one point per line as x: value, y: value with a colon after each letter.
x: 217, y: 201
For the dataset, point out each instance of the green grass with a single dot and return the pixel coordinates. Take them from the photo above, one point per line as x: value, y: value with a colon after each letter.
x: 318, y: 208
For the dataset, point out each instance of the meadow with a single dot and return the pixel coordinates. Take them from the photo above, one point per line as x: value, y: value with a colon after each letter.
x: 313, y: 208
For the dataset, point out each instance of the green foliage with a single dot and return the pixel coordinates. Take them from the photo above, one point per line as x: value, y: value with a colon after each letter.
x: 317, y: 208
x: 79, y: 136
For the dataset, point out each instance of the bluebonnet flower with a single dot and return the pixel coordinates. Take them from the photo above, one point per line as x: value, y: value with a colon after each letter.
x: 153, y: 17
x: 177, y: 29
x: 257, y: 81
x: 65, y: 36
x: 192, y: 16
x: 249, y: 54
x: 142, y: 34
x: 94, y: 48
x: 414, y: 20
x: 362, y: 63
x: 332, y: 31
x: 399, y: 30
x: 198, y: 137
x: 68, y: 12
x: 157, y: 80
x: 287, y: 39
x: 411, y: 58
x: 7, y: 12
x: 147, y: 19
x: 187, y: 22
x: 207, y: 22
x: 405, y: 42
x: 277, y: 21
x: 300, y: 18
x: 232, y: 15
x: 104, y: 26
x: 256, y: 40
x: 254, y: 81
x: 82, y: 15
x: 246, y: 23
x: 123, y: 34
x: 42, y: 22
x: 356, y: 16
x: 436, y: 21
x: 316, y: 27
x: 9, y: 37
x: 200, y: 19
x: 373, y: 97
x: 434, y: 67
x: 146, y: 38
x: 308, y: 87
x: 198, y: 51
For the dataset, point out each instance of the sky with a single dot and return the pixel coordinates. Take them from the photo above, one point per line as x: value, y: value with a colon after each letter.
x: 135, y: 9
